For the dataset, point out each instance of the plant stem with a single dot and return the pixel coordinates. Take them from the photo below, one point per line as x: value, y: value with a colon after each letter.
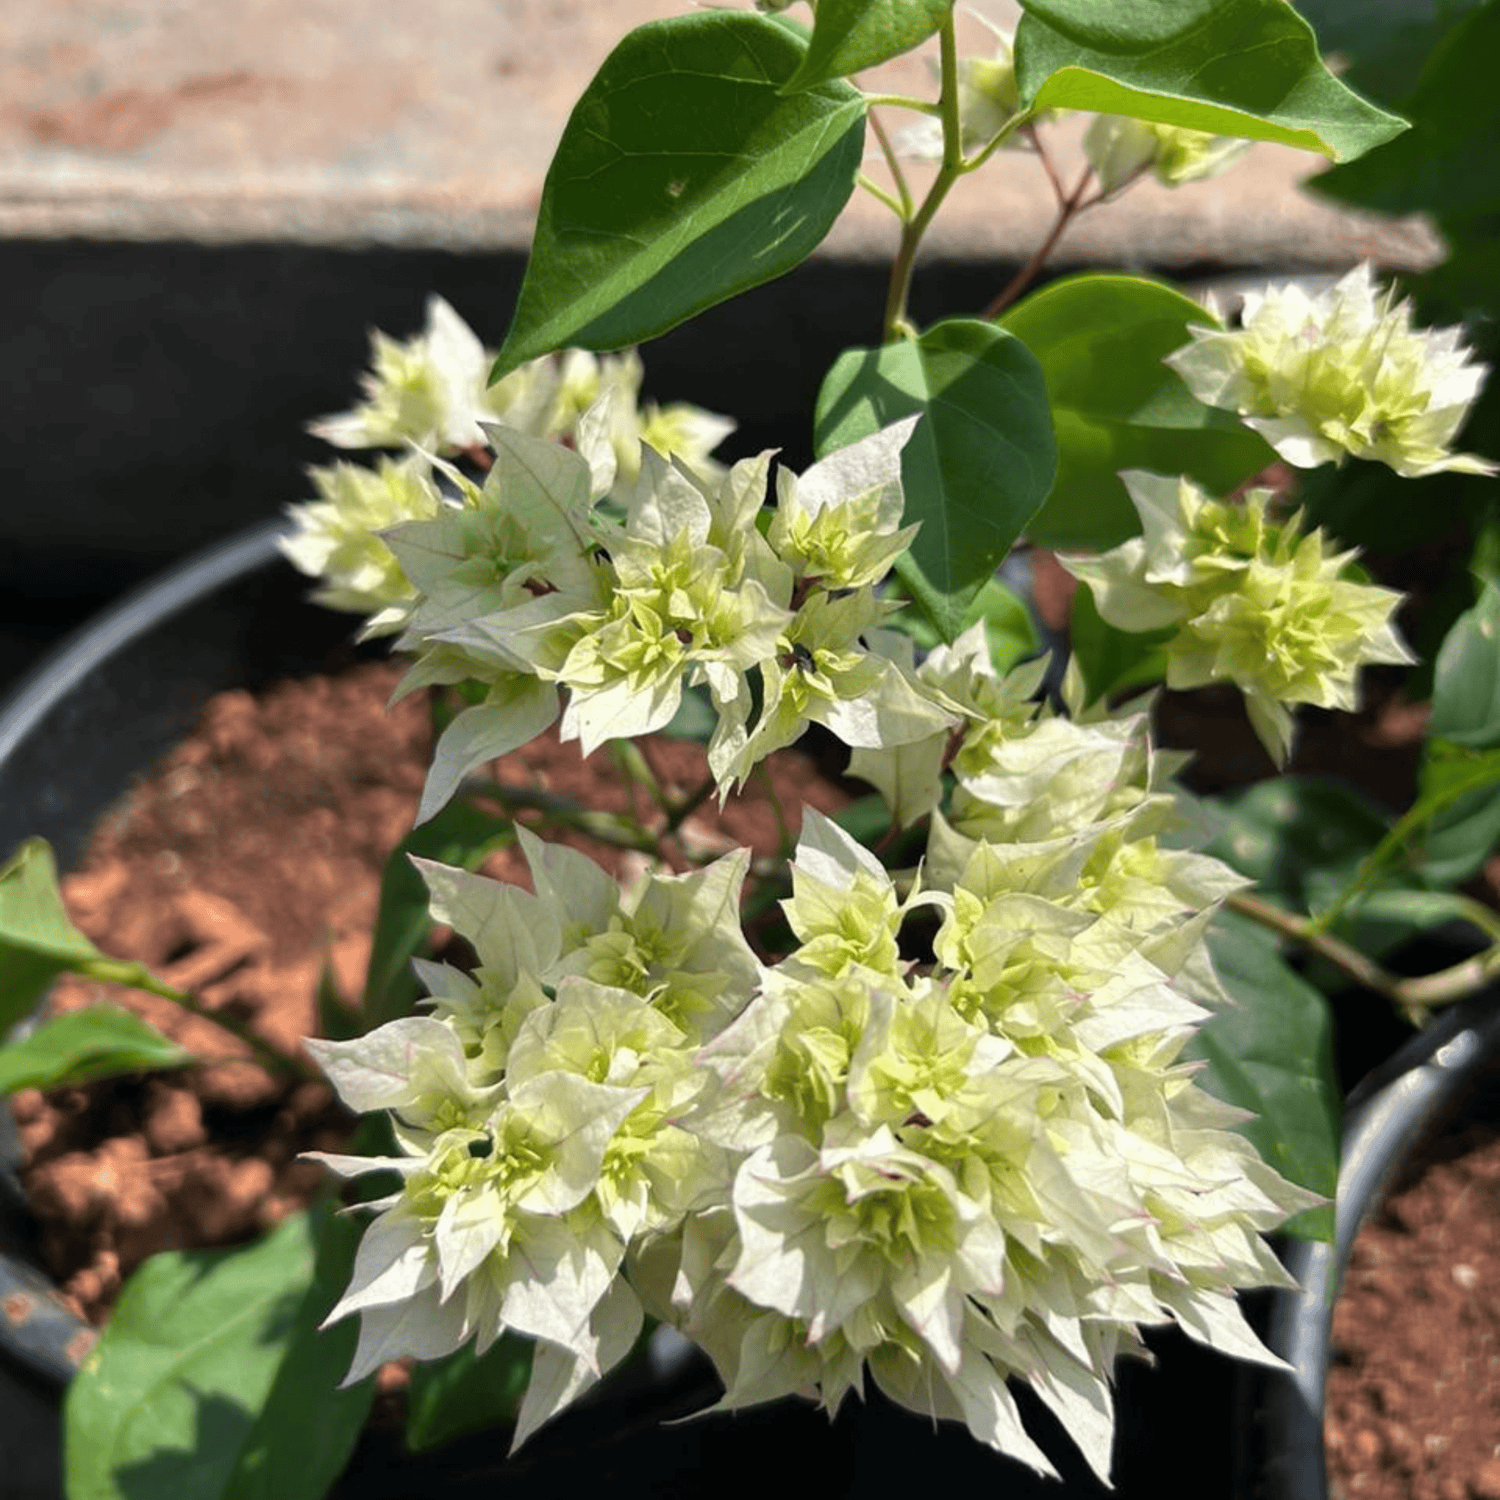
x: 1411, y: 995
x: 1068, y: 209
x: 618, y: 829
x: 785, y: 844
x: 635, y: 768
x: 138, y: 977
x: 903, y: 101
x: 679, y: 813
x: 880, y: 195
x: 893, y: 162
x: 953, y: 167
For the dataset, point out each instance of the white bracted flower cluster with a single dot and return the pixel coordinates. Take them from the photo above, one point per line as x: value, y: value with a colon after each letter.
x: 428, y: 396
x: 1341, y: 373
x: 1250, y: 601
x: 534, y: 590
x: 944, y: 1175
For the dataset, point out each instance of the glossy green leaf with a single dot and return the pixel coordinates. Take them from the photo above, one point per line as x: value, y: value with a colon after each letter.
x: 460, y: 834
x: 1383, y: 42
x: 1114, y: 661
x: 977, y: 467
x: 1008, y: 625
x: 684, y: 176
x: 1299, y: 838
x: 1272, y: 1052
x: 1100, y: 341
x: 1466, y: 682
x: 1465, y: 722
x: 308, y: 1427
x: 852, y: 34
x: 464, y: 1392
x: 1444, y: 165
x: 99, y: 1041
x: 1246, y: 68
x: 1458, y: 805
x: 166, y: 1401
x: 38, y: 940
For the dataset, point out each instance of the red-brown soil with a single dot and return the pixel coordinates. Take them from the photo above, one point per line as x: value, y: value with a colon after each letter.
x: 1414, y: 1392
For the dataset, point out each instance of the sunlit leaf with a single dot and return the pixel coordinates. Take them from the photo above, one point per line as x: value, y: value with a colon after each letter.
x: 1100, y: 341
x: 99, y: 1041
x: 977, y: 467
x: 1246, y: 68
x: 852, y: 34
x: 684, y: 176
x: 1272, y: 1052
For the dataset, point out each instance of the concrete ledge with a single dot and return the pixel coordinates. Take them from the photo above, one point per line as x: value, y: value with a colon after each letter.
x: 363, y: 123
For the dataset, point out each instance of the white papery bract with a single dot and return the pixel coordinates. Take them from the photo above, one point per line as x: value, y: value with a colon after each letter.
x: 338, y: 538
x: 996, y: 1168
x: 539, y: 1112
x: 1252, y: 602
x: 991, y: 1167
x: 1344, y: 372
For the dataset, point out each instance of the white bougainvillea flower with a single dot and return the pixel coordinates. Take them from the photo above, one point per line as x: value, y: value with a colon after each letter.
x: 1340, y: 373
x: 839, y: 521
x: 843, y: 909
x: 1254, y: 603
x: 338, y: 538
x: 1120, y: 148
x: 674, y: 940
x: 530, y: 529
x: 429, y: 390
x: 433, y: 391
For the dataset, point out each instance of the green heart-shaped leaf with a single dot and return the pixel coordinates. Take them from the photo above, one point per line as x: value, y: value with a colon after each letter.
x: 684, y: 176
x: 1272, y: 1052
x: 1231, y: 67
x: 979, y: 464
x: 852, y: 34
x: 100, y: 1041
x: 1100, y: 341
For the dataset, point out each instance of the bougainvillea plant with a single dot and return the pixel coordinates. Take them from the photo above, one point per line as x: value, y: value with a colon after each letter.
x: 995, y: 1093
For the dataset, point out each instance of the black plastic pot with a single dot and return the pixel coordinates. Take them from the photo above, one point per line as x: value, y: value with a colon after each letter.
x: 1442, y: 1075
x: 106, y: 706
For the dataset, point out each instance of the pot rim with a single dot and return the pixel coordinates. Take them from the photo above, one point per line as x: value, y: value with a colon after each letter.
x: 1391, y: 1112
x: 36, y: 1328
x: 64, y: 666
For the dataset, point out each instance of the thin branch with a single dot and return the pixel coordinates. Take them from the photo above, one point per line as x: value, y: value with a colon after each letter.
x: 893, y: 163
x: 896, y: 324
x: 137, y: 977
x: 1068, y: 210
x: 880, y: 195
x: 903, y: 101
x: 1059, y: 192
x: 679, y: 812
x: 1411, y: 995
